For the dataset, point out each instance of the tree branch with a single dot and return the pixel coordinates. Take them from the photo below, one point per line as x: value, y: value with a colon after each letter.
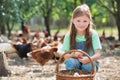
x: 99, y: 2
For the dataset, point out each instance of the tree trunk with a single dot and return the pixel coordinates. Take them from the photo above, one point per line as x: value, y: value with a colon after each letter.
x: 3, y: 65
x: 9, y: 28
x: 118, y: 18
x: 81, y: 1
x: 47, y: 24
x: 2, y: 29
x: 118, y: 26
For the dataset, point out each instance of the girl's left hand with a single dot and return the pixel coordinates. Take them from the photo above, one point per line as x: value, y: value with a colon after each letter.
x: 84, y: 60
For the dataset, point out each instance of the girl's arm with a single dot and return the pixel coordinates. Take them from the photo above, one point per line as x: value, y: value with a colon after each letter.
x: 73, y: 55
x: 96, y: 56
x: 85, y: 59
x: 67, y: 56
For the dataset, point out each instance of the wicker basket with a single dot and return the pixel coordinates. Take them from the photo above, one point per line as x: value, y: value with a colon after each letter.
x: 69, y: 74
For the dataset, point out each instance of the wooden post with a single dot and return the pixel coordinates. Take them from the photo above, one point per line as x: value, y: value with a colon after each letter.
x: 4, y: 69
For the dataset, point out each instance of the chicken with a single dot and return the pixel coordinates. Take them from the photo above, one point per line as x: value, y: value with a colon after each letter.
x: 42, y: 55
x: 55, y: 37
x: 23, y: 49
x: 20, y: 49
x: 108, y: 40
x: 113, y: 46
x: 7, y: 48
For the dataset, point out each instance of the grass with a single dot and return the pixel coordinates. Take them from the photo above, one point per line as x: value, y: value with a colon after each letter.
x: 108, y: 30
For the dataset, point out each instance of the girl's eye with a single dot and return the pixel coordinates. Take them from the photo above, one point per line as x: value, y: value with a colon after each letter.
x: 78, y: 20
x: 84, y: 21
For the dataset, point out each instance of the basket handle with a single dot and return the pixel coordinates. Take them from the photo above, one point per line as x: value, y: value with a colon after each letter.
x: 57, y: 65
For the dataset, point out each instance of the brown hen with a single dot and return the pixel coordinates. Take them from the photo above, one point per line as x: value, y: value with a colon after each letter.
x: 42, y: 56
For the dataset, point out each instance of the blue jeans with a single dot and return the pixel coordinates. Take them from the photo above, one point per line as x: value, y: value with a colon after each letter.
x: 73, y: 63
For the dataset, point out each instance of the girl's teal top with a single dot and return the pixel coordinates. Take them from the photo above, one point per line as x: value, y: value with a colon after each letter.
x: 81, y: 41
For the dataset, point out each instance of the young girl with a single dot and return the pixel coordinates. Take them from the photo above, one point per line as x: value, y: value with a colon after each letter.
x: 81, y: 36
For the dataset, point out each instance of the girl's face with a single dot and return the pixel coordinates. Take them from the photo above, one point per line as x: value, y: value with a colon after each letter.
x: 81, y: 23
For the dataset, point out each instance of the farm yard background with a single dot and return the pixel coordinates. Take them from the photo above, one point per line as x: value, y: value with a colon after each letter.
x: 22, y: 69
x: 28, y: 69
x: 53, y: 16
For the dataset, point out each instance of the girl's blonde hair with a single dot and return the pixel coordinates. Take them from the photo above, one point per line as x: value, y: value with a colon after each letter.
x: 80, y: 11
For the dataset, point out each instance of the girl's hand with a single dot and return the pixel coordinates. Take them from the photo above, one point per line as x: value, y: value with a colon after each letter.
x: 77, y: 54
x: 73, y: 55
x: 84, y: 60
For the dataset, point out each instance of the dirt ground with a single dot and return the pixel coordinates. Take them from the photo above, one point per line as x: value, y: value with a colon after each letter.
x: 30, y: 70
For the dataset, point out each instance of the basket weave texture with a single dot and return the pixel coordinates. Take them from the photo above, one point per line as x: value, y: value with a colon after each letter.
x: 69, y: 74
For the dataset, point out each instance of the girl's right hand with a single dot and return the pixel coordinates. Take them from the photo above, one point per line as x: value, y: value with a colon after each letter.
x: 73, y: 55
x: 77, y: 54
